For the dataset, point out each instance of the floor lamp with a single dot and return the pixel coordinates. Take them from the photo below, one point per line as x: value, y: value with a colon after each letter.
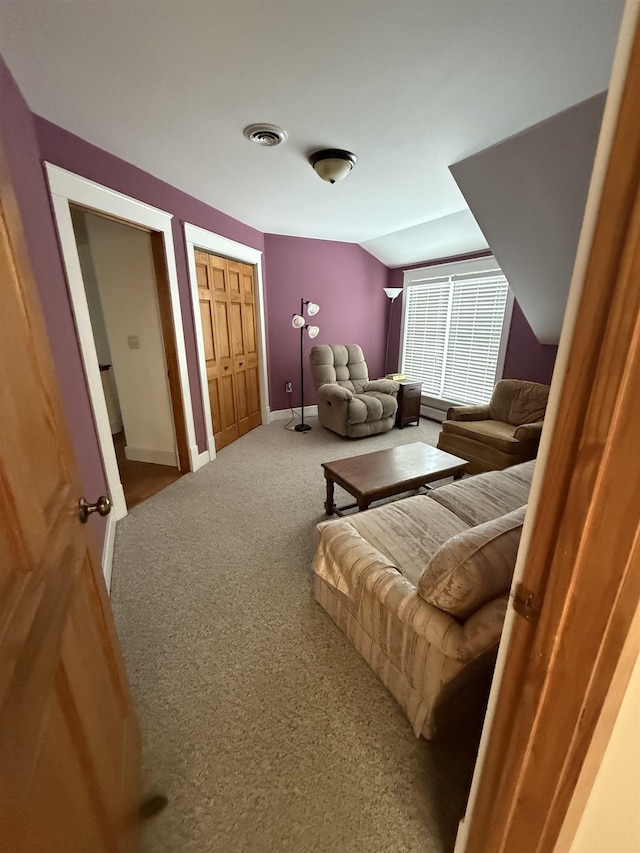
x: 392, y: 293
x: 298, y: 322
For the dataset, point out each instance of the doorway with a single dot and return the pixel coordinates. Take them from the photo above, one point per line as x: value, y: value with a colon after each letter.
x: 120, y: 284
x: 67, y: 189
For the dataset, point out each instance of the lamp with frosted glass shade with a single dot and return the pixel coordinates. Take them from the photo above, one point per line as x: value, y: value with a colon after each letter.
x: 298, y: 322
x: 392, y: 293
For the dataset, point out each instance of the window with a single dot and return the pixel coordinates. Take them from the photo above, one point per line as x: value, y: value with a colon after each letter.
x: 455, y: 317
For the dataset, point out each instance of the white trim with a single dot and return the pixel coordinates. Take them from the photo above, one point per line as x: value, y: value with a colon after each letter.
x: 107, y: 550
x: 148, y: 454
x: 198, y: 460
x: 283, y: 414
x: 200, y: 238
x: 416, y: 276
x: 66, y: 187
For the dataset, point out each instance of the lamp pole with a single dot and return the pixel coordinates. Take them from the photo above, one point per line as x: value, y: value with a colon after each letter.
x: 302, y: 426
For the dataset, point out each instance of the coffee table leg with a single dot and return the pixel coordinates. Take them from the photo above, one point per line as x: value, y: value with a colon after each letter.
x: 459, y: 473
x: 329, y: 505
x: 363, y: 504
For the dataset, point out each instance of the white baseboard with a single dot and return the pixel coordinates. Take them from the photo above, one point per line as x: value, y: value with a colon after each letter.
x: 148, y: 454
x: 107, y: 550
x: 285, y: 414
x: 198, y: 459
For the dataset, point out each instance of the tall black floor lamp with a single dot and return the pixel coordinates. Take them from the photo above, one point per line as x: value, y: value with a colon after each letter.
x: 298, y: 322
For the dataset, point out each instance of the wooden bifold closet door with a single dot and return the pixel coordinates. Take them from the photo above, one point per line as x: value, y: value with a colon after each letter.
x: 226, y: 291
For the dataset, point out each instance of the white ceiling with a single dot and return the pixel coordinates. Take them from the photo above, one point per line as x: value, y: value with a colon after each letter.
x: 411, y: 86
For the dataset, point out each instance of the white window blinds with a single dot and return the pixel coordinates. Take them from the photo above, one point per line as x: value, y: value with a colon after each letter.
x: 452, y: 334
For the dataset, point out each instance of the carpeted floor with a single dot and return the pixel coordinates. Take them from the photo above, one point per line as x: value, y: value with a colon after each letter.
x: 261, y: 723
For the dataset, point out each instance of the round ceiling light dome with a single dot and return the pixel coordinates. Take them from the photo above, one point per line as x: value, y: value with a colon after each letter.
x: 333, y: 164
x: 265, y: 134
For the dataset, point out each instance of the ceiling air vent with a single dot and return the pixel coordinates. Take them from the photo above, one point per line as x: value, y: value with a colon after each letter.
x: 265, y: 134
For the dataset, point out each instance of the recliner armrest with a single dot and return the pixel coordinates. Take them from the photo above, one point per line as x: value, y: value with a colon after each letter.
x: 334, y: 394
x: 384, y: 386
x: 469, y: 413
x: 525, y: 432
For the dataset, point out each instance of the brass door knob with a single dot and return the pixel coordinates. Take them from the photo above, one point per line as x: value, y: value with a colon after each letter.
x: 102, y: 506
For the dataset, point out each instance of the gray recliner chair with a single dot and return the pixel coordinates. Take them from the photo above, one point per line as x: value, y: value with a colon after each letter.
x: 348, y: 403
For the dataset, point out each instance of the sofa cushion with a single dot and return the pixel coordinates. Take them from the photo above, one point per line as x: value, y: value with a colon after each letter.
x: 497, y: 434
x: 517, y: 402
x: 407, y: 532
x: 473, y: 567
x: 487, y: 496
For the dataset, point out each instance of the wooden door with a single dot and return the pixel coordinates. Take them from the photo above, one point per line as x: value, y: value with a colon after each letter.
x: 245, y: 349
x: 227, y: 297
x: 69, y: 741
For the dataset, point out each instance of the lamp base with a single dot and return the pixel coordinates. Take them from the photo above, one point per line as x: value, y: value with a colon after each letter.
x: 302, y: 427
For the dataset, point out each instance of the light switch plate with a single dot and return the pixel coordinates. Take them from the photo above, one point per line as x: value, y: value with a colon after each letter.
x: 134, y: 342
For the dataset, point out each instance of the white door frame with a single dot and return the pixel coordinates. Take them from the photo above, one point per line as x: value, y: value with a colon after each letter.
x: 199, y: 238
x: 66, y: 188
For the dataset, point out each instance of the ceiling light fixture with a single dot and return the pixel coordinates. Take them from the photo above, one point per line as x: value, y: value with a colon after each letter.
x: 265, y: 134
x: 333, y: 164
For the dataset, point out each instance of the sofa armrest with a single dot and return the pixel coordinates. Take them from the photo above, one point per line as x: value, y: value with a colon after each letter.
x: 352, y: 565
x: 468, y: 413
x: 525, y: 432
x: 334, y: 394
x: 483, y: 628
x: 384, y: 386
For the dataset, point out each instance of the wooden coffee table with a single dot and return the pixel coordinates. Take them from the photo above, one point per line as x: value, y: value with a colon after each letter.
x: 378, y: 475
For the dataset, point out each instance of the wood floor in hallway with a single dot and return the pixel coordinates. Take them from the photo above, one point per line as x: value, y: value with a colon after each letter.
x: 141, y: 480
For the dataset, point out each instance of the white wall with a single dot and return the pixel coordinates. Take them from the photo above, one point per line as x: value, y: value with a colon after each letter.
x: 123, y: 265
x: 97, y: 319
x: 528, y: 195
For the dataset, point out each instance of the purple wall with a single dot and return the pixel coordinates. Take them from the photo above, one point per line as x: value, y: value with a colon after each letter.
x: 525, y: 358
x: 346, y: 282
x: 22, y: 158
x: 64, y: 149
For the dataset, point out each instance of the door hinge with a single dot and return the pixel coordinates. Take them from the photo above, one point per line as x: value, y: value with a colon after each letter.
x: 526, y: 603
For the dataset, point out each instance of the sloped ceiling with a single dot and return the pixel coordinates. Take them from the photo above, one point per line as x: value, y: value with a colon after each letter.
x: 528, y: 195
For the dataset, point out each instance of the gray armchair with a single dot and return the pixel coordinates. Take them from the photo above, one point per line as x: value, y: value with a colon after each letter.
x: 348, y: 403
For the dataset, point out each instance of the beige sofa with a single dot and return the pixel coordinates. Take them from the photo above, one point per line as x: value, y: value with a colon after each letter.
x: 504, y: 432
x: 420, y: 586
x: 349, y: 403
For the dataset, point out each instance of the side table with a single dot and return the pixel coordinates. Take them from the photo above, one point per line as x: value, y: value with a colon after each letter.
x: 409, y: 396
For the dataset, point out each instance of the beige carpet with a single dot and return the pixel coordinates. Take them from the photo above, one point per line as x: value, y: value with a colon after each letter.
x: 261, y: 723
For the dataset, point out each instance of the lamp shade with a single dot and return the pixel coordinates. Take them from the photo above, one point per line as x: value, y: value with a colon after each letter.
x: 392, y: 292
x: 312, y: 309
x: 333, y: 164
x: 313, y: 331
x: 297, y: 322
